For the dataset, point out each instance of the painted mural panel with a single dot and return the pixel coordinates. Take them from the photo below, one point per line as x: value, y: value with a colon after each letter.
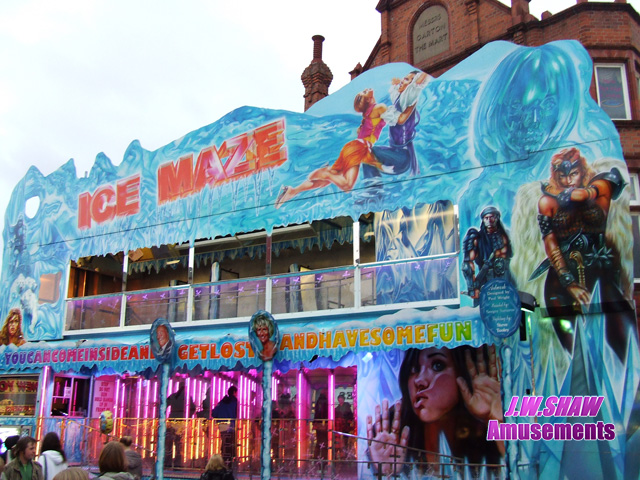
x: 393, y: 138
x: 511, y: 137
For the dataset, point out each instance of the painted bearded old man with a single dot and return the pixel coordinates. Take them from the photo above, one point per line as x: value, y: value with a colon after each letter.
x: 486, y: 253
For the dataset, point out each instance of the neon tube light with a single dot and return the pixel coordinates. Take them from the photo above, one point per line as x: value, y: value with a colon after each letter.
x: 332, y: 394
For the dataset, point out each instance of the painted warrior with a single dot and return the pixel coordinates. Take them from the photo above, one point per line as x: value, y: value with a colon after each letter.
x: 573, y: 212
x: 488, y: 250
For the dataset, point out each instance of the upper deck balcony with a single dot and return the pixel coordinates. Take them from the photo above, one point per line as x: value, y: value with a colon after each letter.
x: 296, y: 272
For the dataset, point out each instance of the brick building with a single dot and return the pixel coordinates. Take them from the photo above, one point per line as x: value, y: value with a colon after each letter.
x: 435, y: 36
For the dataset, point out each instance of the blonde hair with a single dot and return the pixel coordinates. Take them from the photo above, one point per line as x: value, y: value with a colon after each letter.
x: 215, y: 463
x: 73, y: 473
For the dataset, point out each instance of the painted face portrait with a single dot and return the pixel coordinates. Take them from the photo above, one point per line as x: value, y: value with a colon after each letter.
x: 406, y: 81
x: 433, y: 390
x: 263, y: 333
x: 490, y: 220
x: 14, y: 325
x: 163, y: 336
x: 571, y: 180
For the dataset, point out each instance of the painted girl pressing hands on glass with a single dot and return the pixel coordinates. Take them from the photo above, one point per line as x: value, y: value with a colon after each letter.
x: 450, y: 392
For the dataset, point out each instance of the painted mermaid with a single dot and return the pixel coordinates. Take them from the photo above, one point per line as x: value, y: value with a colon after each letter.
x: 344, y: 172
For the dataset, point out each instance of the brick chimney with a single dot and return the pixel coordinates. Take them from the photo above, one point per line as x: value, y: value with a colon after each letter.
x: 520, y: 12
x: 317, y: 77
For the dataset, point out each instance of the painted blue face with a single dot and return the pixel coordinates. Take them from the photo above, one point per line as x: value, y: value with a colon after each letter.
x: 521, y: 110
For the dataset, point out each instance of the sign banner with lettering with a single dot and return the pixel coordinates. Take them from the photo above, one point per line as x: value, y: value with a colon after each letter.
x: 104, y: 395
x: 198, y: 348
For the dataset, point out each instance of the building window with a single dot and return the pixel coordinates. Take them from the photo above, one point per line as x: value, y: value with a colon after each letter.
x: 634, y: 199
x: 18, y: 395
x: 70, y: 396
x: 635, y: 224
x: 613, y: 92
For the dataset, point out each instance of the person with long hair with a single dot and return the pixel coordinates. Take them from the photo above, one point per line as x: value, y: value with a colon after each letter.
x: 23, y: 466
x: 215, y: 470
x: 445, y: 392
x: 572, y: 216
x: 11, y: 332
x: 113, y: 462
x: 264, y: 328
x: 344, y: 171
x: 52, y: 457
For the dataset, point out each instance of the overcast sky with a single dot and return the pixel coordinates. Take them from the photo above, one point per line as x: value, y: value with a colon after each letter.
x: 80, y: 77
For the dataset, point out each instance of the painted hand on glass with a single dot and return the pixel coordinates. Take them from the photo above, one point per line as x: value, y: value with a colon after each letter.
x: 387, y: 444
x: 485, y: 402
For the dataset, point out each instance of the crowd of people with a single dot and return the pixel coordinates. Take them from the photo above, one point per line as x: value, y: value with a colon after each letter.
x: 117, y: 461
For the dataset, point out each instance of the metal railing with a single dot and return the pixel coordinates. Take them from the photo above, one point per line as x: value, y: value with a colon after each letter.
x: 300, y: 448
x: 417, y: 282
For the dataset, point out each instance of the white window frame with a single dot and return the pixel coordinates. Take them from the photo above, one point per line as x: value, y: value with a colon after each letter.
x: 635, y: 224
x: 634, y: 185
x: 625, y: 88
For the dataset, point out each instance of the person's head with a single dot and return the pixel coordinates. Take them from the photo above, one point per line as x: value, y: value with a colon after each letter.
x: 490, y: 218
x: 162, y: 334
x: 284, y: 401
x: 232, y: 391
x: 429, y: 379
x: 11, y: 441
x: 263, y: 327
x: 126, y: 441
x: 25, y: 449
x: 72, y: 473
x: 406, y: 81
x: 569, y: 169
x: 12, y: 328
x: 430, y: 393
x: 51, y: 441
x: 341, y: 398
x: 112, y: 458
x: 215, y: 463
x: 363, y: 100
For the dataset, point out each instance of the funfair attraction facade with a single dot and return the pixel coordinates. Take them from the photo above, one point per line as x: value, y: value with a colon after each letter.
x: 458, y: 267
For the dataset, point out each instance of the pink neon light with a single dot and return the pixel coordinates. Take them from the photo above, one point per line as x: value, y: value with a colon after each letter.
x: 117, y: 402
x: 45, y: 375
x: 332, y: 394
x: 155, y: 395
x: 187, y: 397
x: 139, y: 406
x: 245, y: 397
x: 124, y: 391
x: 146, y: 400
x: 299, y: 397
x: 214, y: 391
x: 146, y: 415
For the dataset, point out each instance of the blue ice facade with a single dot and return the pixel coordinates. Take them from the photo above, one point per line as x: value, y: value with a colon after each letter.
x: 483, y: 135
